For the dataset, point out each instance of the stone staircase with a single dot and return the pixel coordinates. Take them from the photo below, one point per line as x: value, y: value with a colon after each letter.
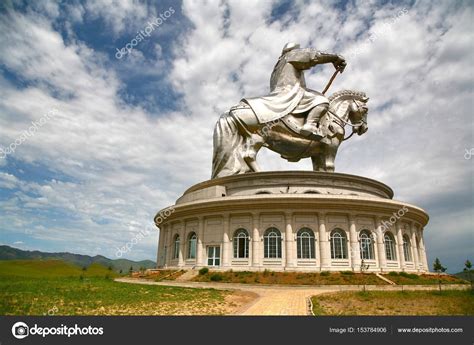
x: 385, y: 279
x: 188, y: 275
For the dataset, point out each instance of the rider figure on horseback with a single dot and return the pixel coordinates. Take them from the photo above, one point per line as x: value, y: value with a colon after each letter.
x: 288, y: 92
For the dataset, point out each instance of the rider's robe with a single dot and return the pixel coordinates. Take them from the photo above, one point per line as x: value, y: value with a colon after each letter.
x: 288, y: 88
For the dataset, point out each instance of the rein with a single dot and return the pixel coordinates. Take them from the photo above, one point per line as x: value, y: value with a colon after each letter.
x: 344, y: 122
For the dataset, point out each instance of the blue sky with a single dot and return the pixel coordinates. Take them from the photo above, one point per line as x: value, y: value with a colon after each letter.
x: 131, y: 134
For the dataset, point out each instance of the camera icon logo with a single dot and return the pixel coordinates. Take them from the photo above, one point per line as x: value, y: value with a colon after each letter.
x: 20, y: 330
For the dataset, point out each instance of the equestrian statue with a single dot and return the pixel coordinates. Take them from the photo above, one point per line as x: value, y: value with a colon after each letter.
x: 292, y: 120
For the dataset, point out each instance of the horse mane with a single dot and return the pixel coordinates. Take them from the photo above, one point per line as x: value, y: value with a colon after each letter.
x: 337, y: 100
x: 345, y: 94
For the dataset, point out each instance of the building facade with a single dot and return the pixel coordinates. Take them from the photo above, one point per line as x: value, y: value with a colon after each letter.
x: 292, y: 221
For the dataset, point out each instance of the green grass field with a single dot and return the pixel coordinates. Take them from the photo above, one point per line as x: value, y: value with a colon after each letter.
x: 291, y: 278
x: 449, y: 302
x: 53, y: 287
x: 403, y: 278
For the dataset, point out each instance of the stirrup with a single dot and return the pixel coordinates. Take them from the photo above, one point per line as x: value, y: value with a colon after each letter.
x: 310, y: 134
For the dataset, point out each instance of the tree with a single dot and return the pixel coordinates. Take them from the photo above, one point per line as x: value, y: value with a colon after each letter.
x: 468, y: 269
x: 437, y: 267
x: 130, y: 270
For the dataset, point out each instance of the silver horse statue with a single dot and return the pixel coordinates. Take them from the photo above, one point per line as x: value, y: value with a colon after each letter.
x: 237, y: 143
x: 293, y: 120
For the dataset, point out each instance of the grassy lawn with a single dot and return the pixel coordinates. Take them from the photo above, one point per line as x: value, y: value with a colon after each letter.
x: 53, y: 287
x: 451, y: 302
x: 291, y: 278
x: 403, y: 278
x: 160, y: 275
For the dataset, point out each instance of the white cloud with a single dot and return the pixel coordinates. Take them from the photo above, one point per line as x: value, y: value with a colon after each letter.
x: 125, y: 163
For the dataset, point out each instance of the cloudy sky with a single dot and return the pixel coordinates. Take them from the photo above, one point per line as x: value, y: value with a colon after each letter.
x: 114, y: 137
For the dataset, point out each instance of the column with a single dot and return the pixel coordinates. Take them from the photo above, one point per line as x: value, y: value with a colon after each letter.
x: 168, y: 244
x: 199, y: 245
x: 401, y: 253
x: 289, y: 241
x: 380, y: 244
x: 161, y: 247
x: 225, y: 241
x: 423, y: 258
x: 325, y: 255
x: 354, y: 240
x: 414, y: 245
x: 182, y: 243
x: 256, y: 252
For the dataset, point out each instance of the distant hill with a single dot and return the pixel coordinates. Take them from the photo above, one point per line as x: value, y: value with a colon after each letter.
x: 10, y: 253
x: 465, y: 275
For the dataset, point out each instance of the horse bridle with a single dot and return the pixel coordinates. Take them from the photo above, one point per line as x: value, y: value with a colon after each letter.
x: 343, y: 122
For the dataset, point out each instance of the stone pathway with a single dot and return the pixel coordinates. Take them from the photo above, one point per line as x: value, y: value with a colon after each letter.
x: 282, y: 299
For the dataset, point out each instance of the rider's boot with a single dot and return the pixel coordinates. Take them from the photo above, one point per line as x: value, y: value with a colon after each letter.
x: 311, y: 130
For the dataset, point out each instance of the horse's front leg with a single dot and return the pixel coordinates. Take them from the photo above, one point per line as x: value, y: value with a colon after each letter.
x: 318, y: 162
x: 324, y: 160
x: 252, y: 145
x: 330, y: 155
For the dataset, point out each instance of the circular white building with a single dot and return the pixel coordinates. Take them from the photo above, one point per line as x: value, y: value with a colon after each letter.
x: 292, y: 221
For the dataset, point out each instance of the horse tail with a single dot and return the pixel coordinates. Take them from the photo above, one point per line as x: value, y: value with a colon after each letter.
x: 227, y: 158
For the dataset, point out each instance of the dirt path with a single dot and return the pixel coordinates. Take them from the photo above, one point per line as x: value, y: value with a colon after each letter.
x: 281, y: 299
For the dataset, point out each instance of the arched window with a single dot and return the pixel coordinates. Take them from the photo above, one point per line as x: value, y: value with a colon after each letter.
x: 311, y: 192
x: 406, y: 248
x: 305, y: 244
x: 176, y: 247
x: 366, y: 245
x: 338, y: 244
x: 272, y: 243
x: 192, y: 245
x: 263, y: 192
x: 389, y: 246
x: 241, y: 244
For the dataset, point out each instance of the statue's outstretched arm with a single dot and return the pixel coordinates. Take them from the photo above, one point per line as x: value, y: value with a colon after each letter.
x: 307, y: 58
x: 322, y: 57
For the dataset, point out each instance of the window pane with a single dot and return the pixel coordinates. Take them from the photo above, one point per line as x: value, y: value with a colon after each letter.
x: 338, y: 245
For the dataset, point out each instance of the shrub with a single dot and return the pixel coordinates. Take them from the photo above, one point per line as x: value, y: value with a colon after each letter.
x: 203, y: 271
x: 325, y: 273
x: 266, y: 272
x: 393, y: 273
x: 215, y: 277
x: 347, y: 273
x: 409, y: 275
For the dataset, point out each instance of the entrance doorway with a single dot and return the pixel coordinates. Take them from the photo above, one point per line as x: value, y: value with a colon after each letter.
x: 213, y: 256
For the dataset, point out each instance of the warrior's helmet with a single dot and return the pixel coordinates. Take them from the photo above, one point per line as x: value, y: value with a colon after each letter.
x: 289, y: 46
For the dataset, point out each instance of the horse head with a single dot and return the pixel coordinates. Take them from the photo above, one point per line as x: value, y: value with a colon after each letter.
x: 348, y: 105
